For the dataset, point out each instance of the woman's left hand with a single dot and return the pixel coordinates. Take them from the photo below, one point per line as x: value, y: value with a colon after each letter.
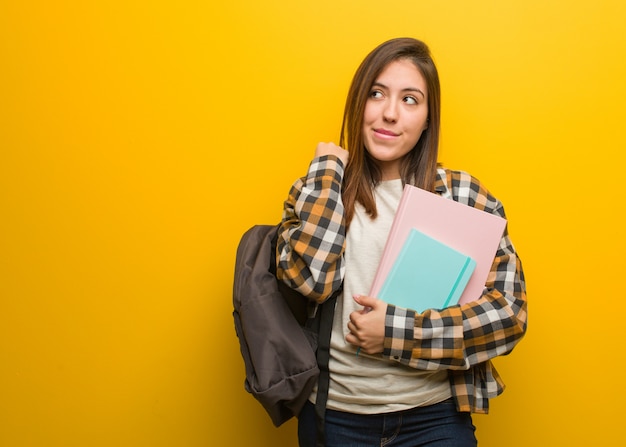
x: 367, y: 326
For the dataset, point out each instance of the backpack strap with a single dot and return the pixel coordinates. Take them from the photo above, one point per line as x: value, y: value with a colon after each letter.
x: 323, y: 355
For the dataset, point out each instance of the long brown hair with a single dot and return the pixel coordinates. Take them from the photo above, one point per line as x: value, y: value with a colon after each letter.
x: 420, y: 165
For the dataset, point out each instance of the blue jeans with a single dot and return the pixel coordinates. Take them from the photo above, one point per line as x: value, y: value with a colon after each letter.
x: 438, y: 425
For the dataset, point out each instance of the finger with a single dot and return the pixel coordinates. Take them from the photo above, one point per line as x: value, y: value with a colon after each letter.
x: 354, y: 318
x: 365, y: 301
x: 352, y: 328
x: 353, y: 340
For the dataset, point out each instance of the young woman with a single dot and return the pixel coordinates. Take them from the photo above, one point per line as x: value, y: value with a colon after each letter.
x: 418, y: 376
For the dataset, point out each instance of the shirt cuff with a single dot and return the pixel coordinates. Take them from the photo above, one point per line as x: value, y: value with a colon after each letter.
x: 399, y: 334
x: 321, y: 166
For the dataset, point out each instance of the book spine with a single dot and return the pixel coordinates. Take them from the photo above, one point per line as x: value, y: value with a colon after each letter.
x: 459, y: 277
x: 386, y: 257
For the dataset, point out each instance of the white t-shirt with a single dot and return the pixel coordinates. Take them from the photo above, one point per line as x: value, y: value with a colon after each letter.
x: 367, y: 384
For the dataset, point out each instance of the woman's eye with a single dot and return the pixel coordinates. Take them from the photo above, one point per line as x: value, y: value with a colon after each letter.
x: 376, y: 94
x: 410, y: 100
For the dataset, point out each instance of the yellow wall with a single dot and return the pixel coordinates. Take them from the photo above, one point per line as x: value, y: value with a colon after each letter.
x: 139, y: 139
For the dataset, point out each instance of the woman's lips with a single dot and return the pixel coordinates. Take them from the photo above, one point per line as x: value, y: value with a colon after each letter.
x: 385, y: 132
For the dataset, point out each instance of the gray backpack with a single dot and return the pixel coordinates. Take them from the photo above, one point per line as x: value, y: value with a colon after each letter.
x: 285, y: 351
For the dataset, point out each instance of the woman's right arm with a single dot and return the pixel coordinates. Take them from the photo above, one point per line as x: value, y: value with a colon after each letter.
x: 311, y: 237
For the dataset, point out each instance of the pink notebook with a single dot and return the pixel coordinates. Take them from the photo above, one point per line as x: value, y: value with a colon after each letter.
x: 468, y: 230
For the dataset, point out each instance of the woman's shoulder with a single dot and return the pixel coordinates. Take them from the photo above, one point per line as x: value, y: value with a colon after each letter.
x: 463, y: 187
x: 456, y: 177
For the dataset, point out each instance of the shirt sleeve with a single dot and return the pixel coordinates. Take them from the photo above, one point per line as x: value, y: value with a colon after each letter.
x: 311, y: 237
x: 462, y: 336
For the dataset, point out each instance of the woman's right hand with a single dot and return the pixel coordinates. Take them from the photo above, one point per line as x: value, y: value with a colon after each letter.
x: 332, y: 149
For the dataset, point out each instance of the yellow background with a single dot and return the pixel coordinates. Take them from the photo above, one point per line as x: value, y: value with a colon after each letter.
x: 140, y: 139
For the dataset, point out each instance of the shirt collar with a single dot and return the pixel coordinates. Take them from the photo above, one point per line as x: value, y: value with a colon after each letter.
x: 440, y: 184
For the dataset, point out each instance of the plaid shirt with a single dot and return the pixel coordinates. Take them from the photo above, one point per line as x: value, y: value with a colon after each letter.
x: 461, y: 339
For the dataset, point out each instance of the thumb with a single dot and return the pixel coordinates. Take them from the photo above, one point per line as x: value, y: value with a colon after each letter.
x: 365, y: 301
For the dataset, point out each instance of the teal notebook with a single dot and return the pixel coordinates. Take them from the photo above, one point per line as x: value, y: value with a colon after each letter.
x: 427, y: 274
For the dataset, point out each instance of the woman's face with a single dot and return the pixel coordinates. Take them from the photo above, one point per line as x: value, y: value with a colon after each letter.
x: 396, y: 114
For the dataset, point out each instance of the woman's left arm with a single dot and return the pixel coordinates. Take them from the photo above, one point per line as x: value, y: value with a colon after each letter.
x: 459, y: 337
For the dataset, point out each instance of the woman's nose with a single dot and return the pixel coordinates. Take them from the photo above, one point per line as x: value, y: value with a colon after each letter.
x: 390, y: 111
